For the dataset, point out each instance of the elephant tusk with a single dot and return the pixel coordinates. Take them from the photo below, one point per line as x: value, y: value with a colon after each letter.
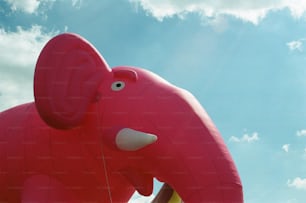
x: 131, y: 140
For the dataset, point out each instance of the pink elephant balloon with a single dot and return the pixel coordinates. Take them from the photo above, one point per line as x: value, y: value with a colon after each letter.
x: 95, y: 134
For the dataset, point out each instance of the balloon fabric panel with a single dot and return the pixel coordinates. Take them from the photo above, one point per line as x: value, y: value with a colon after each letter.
x: 97, y: 134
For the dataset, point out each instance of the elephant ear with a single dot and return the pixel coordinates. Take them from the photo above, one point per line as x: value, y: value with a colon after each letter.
x: 67, y: 75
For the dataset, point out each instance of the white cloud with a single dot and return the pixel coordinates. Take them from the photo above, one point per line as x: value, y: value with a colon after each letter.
x: 245, y: 138
x: 247, y: 10
x: 301, y: 133
x: 20, y: 50
x: 234, y: 139
x: 285, y: 147
x: 31, y: 6
x: 137, y: 198
x: 28, y: 6
x: 296, y: 45
x: 77, y: 3
x: 297, y: 183
x: 22, y: 46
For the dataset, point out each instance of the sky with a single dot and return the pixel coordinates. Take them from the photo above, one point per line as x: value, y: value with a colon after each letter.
x: 244, y: 60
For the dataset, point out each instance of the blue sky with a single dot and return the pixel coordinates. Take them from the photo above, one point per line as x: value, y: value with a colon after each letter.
x: 244, y: 61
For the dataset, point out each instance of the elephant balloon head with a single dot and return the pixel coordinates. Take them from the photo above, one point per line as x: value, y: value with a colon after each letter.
x: 143, y: 126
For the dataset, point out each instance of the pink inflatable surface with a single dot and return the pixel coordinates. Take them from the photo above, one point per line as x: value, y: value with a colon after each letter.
x: 95, y: 134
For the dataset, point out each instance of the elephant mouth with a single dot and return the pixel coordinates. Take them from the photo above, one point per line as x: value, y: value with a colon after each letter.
x: 142, y: 182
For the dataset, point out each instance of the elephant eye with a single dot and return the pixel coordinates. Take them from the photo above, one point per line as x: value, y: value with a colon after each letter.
x: 118, y: 85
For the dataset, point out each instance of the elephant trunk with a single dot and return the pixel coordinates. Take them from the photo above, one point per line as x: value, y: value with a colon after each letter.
x: 191, y: 155
x: 200, y: 170
x: 205, y: 174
